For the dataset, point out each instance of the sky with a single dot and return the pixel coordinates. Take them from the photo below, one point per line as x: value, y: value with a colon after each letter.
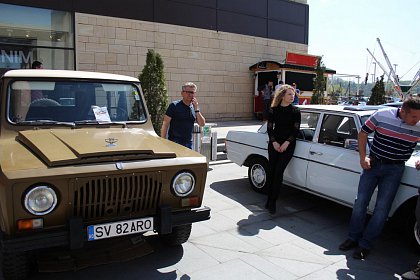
x: 342, y: 30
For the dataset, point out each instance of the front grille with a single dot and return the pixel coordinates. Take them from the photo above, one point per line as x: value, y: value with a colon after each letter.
x: 115, y: 196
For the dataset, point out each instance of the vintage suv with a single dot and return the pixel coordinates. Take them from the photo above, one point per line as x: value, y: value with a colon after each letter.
x: 326, y: 161
x: 80, y: 161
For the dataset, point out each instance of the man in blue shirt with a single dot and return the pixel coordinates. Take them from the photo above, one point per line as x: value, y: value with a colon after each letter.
x: 178, y: 122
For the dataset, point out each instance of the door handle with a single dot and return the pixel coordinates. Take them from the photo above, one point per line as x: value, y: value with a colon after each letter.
x: 315, y: 153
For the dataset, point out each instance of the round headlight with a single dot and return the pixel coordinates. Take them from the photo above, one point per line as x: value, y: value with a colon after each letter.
x: 183, y: 184
x: 40, y: 200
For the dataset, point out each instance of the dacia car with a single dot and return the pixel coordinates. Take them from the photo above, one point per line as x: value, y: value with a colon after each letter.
x: 80, y: 162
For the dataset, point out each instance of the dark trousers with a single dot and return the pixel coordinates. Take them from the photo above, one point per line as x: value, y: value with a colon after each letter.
x: 278, y: 163
x: 418, y: 210
x: 266, y: 108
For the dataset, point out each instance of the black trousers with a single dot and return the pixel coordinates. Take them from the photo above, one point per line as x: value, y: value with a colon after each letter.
x: 277, y: 164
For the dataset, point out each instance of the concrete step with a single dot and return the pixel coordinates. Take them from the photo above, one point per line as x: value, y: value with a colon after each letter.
x: 221, y: 147
x: 221, y: 156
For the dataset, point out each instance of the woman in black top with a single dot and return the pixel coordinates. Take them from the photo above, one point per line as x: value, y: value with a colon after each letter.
x: 283, y: 128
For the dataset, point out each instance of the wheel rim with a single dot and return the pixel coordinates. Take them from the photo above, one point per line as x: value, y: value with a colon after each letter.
x: 417, y: 232
x: 258, y: 176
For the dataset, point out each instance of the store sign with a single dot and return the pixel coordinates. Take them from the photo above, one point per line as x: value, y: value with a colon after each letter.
x: 16, y: 57
x: 301, y: 59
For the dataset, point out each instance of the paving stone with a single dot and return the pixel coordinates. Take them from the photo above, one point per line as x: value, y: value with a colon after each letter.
x: 235, y: 269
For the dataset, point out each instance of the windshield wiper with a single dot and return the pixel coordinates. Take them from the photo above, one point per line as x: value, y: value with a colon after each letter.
x: 45, y: 122
x: 86, y: 122
x: 101, y: 123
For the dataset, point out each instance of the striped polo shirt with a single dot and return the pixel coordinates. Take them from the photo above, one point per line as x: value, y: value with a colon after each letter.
x: 393, y: 138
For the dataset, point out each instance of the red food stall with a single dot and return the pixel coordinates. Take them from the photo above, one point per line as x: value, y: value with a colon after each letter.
x: 298, y: 68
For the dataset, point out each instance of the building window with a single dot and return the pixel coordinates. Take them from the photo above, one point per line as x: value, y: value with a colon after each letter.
x: 28, y: 34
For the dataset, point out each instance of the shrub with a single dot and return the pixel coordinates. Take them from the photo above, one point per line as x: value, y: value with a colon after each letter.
x: 153, y: 81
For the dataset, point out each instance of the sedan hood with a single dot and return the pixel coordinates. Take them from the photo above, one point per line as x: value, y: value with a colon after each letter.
x: 76, y: 146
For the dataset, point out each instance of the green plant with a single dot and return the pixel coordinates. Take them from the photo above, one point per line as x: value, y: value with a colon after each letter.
x: 319, y: 83
x: 152, y: 80
x: 378, y: 93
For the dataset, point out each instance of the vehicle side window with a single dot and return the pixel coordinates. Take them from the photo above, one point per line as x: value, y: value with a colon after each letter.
x: 336, y: 129
x: 308, y: 124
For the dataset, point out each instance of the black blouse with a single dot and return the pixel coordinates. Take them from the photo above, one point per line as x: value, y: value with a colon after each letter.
x: 283, y: 124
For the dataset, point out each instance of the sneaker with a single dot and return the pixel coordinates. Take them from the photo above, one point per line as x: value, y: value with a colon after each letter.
x: 412, y: 274
x: 360, y: 253
x: 348, y: 244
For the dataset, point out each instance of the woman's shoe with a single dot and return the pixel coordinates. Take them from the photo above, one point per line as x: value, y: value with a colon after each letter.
x: 270, y: 205
x: 272, y: 209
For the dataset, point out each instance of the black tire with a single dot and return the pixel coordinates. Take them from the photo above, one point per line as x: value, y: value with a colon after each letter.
x: 258, y: 174
x: 15, y: 266
x: 417, y: 234
x: 178, y: 236
x: 405, y: 222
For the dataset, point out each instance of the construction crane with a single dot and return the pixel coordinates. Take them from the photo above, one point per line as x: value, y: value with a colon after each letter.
x: 391, y: 70
x: 379, y: 64
x: 415, y: 80
x: 386, y: 74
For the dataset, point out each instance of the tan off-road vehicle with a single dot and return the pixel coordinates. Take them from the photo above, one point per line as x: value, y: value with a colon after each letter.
x: 80, y: 162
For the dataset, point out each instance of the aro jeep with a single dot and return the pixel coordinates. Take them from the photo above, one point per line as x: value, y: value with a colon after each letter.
x: 80, y: 162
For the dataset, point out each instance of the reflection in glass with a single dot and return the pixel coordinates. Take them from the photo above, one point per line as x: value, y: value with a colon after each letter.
x: 47, y: 102
x: 28, y: 34
x: 36, y: 27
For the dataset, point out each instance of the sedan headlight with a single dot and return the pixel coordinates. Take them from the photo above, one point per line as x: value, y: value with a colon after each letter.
x: 183, y: 184
x: 40, y: 200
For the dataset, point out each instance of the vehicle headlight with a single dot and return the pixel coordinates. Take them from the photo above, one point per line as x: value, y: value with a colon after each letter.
x: 40, y: 200
x: 183, y: 184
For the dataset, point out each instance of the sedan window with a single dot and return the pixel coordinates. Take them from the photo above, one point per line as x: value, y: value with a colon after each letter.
x: 335, y: 130
x: 308, y: 124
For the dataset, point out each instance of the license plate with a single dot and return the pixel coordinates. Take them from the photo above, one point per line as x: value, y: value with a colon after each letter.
x: 121, y: 228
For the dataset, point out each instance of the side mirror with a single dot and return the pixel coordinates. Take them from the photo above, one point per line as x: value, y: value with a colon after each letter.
x: 351, y: 144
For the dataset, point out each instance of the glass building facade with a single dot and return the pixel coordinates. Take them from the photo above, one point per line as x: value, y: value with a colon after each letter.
x: 28, y: 34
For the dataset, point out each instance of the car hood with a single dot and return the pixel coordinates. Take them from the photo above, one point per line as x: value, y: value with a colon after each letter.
x: 77, y: 146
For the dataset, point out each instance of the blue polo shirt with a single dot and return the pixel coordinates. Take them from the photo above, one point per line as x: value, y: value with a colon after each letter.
x: 182, y: 122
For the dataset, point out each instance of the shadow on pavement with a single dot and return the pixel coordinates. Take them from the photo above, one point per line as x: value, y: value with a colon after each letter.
x: 157, y: 265
x: 321, y: 222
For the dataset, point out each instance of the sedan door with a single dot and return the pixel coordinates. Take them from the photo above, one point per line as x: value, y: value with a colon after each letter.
x: 334, y: 168
x: 296, y: 171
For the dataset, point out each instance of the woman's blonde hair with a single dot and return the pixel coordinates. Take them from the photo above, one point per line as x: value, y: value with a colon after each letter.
x: 279, y: 94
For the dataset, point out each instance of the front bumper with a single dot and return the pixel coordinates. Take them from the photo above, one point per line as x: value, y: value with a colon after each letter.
x: 76, y: 236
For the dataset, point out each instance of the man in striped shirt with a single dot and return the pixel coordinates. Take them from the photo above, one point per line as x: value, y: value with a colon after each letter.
x: 396, y: 133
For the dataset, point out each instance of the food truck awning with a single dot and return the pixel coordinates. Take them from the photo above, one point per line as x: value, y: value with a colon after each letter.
x: 268, y: 65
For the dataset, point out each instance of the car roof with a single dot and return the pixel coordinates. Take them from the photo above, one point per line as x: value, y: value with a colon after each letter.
x: 44, y: 73
x: 359, y: 110
x: 393, y: 104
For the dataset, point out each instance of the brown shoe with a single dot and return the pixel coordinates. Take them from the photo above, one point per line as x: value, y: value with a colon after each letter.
x: 348, y: 244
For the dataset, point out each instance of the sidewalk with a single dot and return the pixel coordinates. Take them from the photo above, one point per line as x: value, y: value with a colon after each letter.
x: 222, y: 128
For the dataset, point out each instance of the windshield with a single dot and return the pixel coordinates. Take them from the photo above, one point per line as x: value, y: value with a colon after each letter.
x: 74, y: 101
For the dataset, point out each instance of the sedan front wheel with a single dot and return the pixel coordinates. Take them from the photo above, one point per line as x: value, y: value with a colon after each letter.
x: 258, y: 174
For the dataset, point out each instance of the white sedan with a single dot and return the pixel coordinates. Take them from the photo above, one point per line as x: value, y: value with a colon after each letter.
x: 326, y: 160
